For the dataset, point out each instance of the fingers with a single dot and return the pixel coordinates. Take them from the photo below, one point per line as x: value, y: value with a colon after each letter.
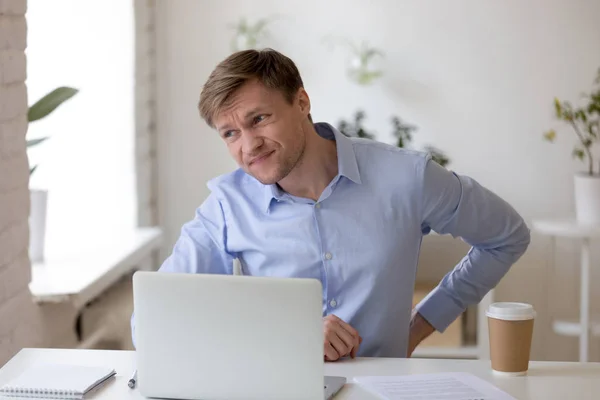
x: 341, y: 339
x: 355, y: 349
x: 348, y: 333
x: 330, y: 353
x: 350, y: 341
x: 339, y: 345
x: 348, y: 328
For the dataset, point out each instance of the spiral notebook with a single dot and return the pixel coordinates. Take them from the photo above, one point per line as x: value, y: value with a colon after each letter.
x: 56, y: 381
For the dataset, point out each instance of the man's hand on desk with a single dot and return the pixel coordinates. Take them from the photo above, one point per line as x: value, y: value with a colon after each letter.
x: 341, y: 339
x: 419, y: 330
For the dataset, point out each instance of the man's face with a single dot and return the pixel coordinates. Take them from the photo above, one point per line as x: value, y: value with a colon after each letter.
x: 263, y: 132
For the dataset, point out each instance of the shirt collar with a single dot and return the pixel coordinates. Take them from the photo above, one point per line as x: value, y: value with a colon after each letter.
x: 347, y: 164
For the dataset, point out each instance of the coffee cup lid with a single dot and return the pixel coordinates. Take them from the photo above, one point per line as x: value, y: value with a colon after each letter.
x: 511, y: 311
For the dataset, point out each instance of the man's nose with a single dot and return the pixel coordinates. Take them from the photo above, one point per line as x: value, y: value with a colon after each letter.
x: 251, y: 142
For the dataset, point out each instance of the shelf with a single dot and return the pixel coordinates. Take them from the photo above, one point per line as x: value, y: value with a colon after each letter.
x: 565, y: 227
x: 573, y: 328
x: 79, y: 278
x: 464, y: 352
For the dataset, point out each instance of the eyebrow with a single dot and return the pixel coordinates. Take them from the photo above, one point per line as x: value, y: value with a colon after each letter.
x: 254, y: 111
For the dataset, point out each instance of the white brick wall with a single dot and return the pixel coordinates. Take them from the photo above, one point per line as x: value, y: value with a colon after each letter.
x: 145, y: 111
x: 13, y: 7
x: 18, y: 315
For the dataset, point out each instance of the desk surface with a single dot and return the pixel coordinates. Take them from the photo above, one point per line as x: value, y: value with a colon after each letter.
x: 546, y: 380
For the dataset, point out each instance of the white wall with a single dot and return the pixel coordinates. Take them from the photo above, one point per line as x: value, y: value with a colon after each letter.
x: 478, y: 78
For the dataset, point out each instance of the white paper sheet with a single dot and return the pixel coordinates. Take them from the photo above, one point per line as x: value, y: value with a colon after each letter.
x: 444, y: 386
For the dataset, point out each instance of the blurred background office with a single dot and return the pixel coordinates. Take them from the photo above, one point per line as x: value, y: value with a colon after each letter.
x: 127, y: 156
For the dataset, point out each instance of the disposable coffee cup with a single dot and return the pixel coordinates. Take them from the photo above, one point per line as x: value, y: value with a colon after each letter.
x: 511, y: 330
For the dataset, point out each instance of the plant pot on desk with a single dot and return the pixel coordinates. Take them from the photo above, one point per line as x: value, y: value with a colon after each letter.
x: 37, y: 224
x: 587, y: 198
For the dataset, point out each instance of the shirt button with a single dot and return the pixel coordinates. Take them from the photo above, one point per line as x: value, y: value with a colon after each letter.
x: 318, y: 205
x: 328, y: 256
x: 333, y: 303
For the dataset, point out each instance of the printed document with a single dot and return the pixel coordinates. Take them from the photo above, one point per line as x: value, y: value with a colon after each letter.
x: 443, y: 386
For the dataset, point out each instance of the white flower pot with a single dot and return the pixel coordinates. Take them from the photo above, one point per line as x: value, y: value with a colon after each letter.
x: 587, y: 199
x: 37, y: 224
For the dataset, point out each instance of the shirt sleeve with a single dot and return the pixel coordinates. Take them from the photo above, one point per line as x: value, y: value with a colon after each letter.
x: 201, y: 246
x: 498, y: 236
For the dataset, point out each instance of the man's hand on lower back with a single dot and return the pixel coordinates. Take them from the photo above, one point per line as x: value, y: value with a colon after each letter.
x: 419, y: 330
x: 341, y: 339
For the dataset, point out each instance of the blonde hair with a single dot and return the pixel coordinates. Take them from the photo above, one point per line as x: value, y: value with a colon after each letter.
x: 269, y: 67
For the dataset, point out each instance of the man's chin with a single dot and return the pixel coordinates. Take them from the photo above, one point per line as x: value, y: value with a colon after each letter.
x: 265, y: 179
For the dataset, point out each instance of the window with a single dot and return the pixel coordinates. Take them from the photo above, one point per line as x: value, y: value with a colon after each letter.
x: 88, y: 164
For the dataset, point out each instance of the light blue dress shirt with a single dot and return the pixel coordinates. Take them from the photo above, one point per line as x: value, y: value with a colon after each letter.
x: 361, y: 239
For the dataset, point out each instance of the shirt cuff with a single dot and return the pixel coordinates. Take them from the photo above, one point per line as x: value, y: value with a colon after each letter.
x: 439, y: 309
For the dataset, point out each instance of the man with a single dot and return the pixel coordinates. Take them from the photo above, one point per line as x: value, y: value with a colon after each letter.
x: 309, y: 202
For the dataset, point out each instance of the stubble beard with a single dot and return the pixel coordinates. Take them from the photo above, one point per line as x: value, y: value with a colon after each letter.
x: 287, y: 165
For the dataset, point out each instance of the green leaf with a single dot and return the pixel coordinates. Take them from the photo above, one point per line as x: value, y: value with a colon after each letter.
x: 550, y: 135
x: 31, y: 170
x: 568, y: 115
x: 593, y: 108
x: 33, y: 142
x: 557, y: 108
x: 578, y: 153
x: 50, y: 102
x: 580, y: 114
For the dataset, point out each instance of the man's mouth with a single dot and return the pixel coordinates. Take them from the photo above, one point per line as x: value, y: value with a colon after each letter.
x: 261, y: 158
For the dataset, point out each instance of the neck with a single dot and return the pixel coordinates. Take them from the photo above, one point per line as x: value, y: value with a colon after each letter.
x: 316, y: 168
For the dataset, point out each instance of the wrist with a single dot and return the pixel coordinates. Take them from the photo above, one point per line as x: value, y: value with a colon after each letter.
x: 420, y: 328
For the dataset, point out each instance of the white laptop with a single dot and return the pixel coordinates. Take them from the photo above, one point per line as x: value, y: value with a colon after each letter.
x: 208, y: 337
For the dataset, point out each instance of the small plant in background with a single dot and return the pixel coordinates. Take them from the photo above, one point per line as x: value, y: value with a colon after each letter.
x: 585, y: 122
x: 437, y: 155
x: 248, y: 36
x: 362, y: 68
x: 401, y: 130
x: 362, y: 60
x: 355, y: 128
x: 43, y: 107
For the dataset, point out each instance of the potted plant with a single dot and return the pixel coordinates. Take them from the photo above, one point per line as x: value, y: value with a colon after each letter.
x: 401, y: 130
x: 39, y: 197
x: 584, y: 121
x: 364, y: 60
x: 247, y: 35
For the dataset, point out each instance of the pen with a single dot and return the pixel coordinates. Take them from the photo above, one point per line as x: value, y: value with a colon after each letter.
x: 237, y: 267
x: 131, y: 382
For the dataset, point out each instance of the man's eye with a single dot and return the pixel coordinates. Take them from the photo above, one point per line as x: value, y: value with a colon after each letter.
x: 259, y: 118
x: 228, y: 134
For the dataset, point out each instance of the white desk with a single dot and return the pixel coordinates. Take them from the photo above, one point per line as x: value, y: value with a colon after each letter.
x: 546, y: 380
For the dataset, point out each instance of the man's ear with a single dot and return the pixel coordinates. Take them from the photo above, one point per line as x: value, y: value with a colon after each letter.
x: 303, y: 101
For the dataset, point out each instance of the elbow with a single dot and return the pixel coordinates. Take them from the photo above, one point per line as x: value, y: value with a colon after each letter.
x: 520, y: 240
x: 524, y: 235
